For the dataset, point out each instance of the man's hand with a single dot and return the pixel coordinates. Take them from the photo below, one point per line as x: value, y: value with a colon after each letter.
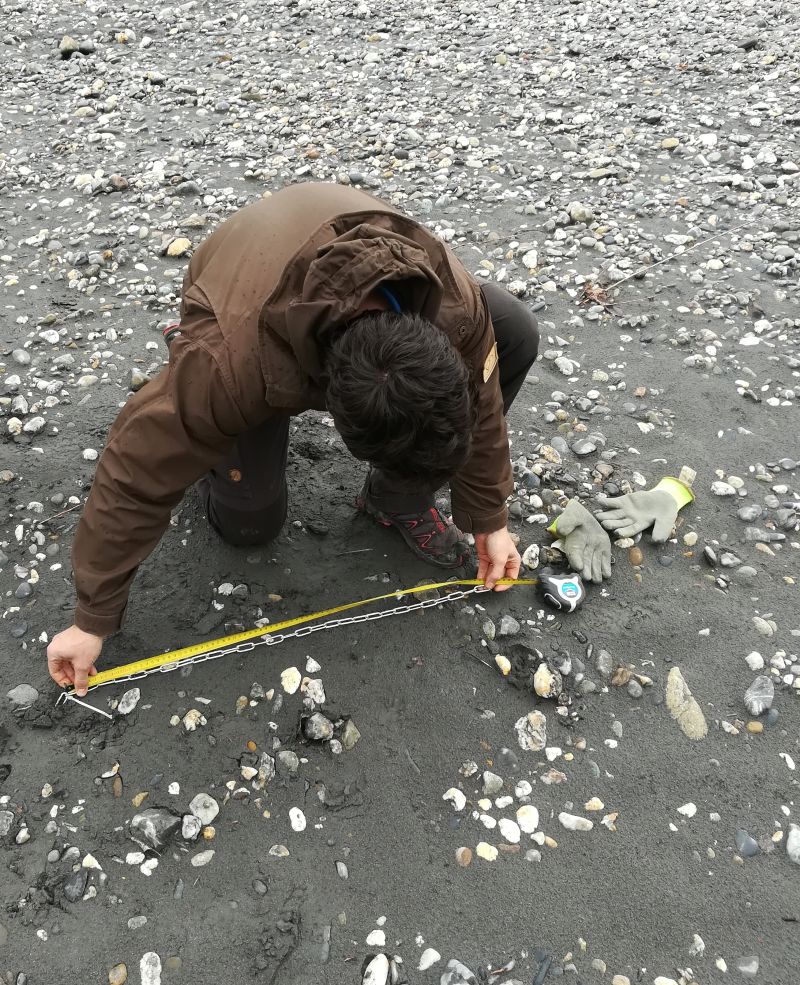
x: 498, y: 558
x: 71, y: 658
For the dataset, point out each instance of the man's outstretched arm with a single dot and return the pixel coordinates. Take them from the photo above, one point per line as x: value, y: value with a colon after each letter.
x: 168, y: 435
x: 481, y: 488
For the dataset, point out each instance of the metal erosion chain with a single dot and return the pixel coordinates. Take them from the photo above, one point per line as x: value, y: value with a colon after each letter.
x: 267, y: 640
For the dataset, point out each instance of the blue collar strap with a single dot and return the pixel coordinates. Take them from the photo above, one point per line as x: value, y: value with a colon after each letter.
x: 393, y: 302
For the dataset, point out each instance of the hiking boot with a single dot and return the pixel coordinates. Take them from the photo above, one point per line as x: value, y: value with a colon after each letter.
x: 430, y: 535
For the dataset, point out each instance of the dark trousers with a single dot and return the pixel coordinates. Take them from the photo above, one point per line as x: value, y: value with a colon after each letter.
x: 245, y: 496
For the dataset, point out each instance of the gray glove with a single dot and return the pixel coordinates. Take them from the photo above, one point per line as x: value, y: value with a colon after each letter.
x: 658, y: 508
x: 586, y: 544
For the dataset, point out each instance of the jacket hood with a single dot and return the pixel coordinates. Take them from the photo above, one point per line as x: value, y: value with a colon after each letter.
x: 341, y: 277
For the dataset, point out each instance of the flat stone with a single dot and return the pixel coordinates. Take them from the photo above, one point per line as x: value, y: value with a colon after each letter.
x: 129, y: 700
x: 350, y: 734
x: 759, y: 696
x: 22, y: 696
x: 572, y: 822
x: 492, y: 783
x: 584, y: 447
x: 508, y: 626
x: 793, y: 843
x: 190, y: 827
x: 75, y: 885
x: 150, y: 969
x: 746, y: 845
x: 204, y: 807
x: 179, y: 247
x: 6, y: 823
x: 748, y: 966
x: 531, y: 731
x: 377, y: 971
x: 68, y: 46
x: 317, y: 727
x: 152, y: 828
x: 289, y: 761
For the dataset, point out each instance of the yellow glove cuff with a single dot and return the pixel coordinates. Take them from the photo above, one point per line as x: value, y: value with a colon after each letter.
x: 680, y: 493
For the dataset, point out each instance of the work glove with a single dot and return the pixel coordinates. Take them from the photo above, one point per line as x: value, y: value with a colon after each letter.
x: 658, y: 508
x: 585, y: 543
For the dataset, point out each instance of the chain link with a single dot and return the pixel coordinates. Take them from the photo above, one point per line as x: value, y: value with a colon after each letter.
x: 268, y: 640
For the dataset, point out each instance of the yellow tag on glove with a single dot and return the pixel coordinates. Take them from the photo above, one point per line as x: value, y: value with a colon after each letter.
x: 491, y: 362
x: 680, y: 492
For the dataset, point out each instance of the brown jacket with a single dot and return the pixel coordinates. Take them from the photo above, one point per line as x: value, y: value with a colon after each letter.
x: 255, y: 296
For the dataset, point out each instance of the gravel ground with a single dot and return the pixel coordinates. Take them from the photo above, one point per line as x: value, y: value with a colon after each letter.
x: 633, y: 171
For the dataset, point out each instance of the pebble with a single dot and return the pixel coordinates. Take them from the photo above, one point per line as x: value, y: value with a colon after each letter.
x: 428, y: 959
x: 503, y: 664
x: 793, y: 843
x: 746, y: 845
x: 530, y: 557
x: 457, y: 798
x: 150, y: 969
x: 759, y: 696
x: 572, y: 822
x: 604, y: 663
x: 118, y: 975
x: 22, y: 696
x: 531, y: 731
x: 75, y: 885
x: 528, y: 818
x: 193, y: 719
x: 202, y: 858
x: 486, y: 851
x: 377, y: 971
x: 297, y: 819
x: 763, y: 627
x: 190, y: 827
x: 129, y: 700
x: 509, y: 830
x: 291, y: 679
x: 204, y: 808
x: 683, y: 707
x: 317, y: 727
x: 547, y: 683
x: 508, y: 626
x: 153, y: 827
x: 457, y: 974
x: 464, y: 857
x: 748, y: 966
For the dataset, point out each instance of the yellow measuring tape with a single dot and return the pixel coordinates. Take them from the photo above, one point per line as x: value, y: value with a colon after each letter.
x: 175, y: 656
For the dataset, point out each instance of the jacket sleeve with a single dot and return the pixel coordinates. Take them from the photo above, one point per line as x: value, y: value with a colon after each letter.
x: 480, y: 489
x: 168, y: 435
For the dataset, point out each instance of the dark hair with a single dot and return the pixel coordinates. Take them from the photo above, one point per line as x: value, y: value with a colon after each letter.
x: 400, y: 395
